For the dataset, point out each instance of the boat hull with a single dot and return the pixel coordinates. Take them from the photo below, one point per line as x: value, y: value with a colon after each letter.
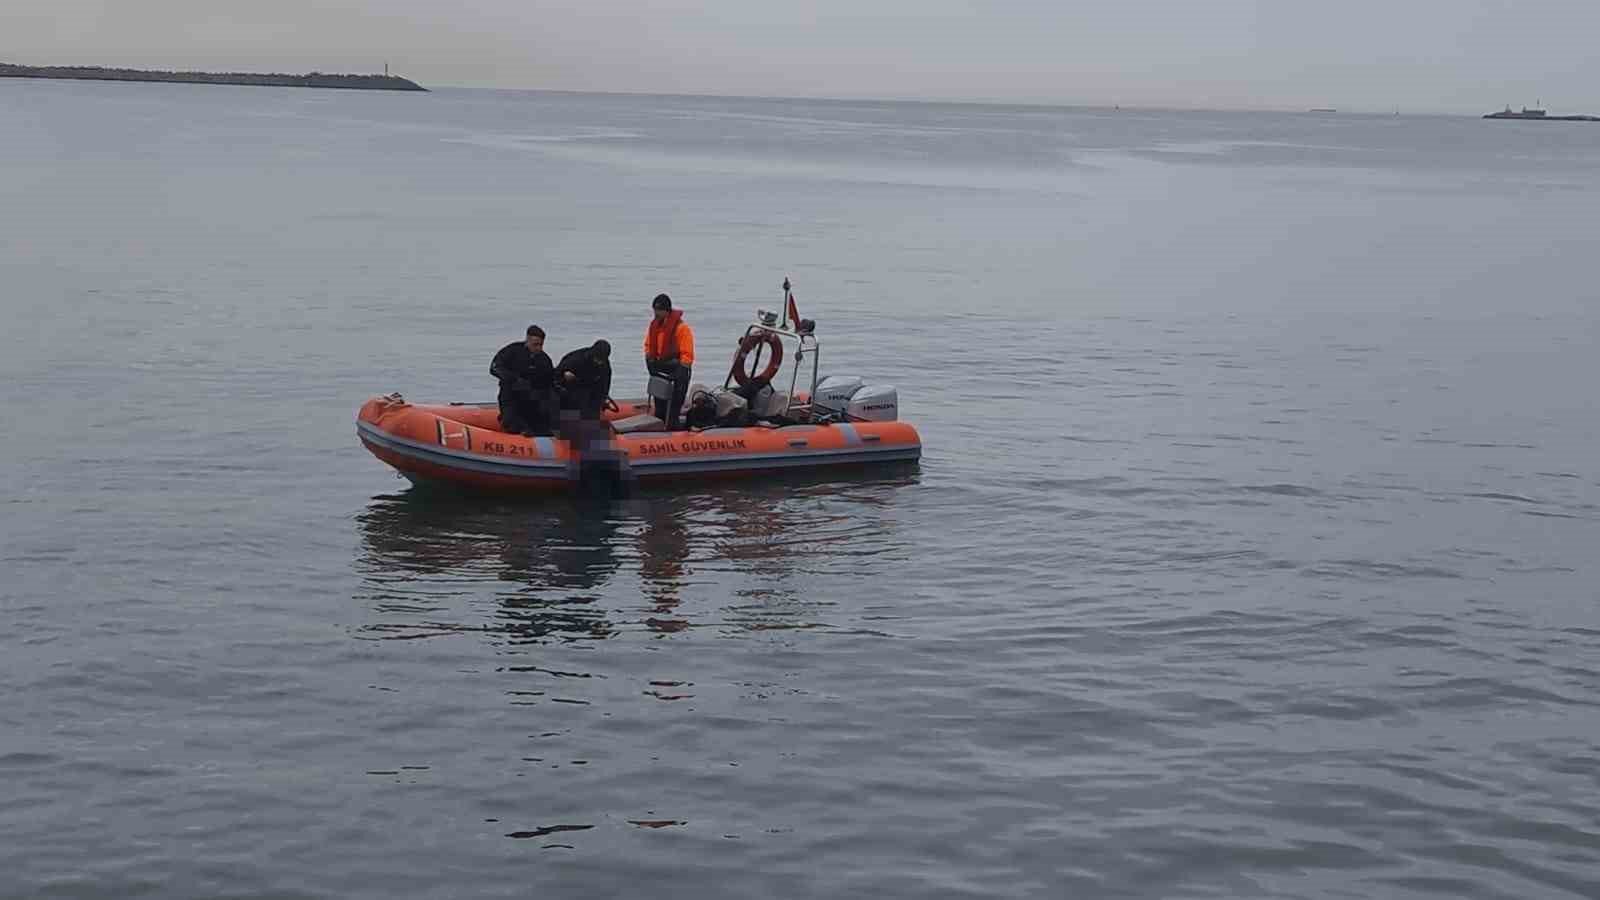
x: 455, y: 446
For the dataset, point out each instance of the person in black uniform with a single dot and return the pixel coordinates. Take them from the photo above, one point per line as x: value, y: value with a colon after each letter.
x: 527, y: 385
x: 584, y: 379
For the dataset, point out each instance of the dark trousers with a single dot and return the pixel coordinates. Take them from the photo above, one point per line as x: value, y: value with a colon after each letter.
x: 670, y: 411
x: 523, y: 412
x: 582, y: 399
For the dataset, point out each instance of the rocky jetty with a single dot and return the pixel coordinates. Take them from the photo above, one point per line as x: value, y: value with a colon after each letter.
x: 311, y: 80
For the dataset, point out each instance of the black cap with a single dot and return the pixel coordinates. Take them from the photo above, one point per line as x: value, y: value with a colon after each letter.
x: 601, y: 349
x: 662, y: 301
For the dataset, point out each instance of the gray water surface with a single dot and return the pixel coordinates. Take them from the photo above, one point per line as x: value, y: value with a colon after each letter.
x: 1252, y: 553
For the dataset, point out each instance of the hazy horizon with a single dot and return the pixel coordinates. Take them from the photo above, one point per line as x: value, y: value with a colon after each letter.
x: 1431, y: 56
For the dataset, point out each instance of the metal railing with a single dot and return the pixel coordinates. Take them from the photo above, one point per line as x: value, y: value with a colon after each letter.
x: 805, y: 346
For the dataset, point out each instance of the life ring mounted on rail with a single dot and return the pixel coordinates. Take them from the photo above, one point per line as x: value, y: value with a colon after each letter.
x: 754, y: 341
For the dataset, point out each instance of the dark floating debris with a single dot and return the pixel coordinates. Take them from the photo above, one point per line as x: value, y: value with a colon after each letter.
x: 548, y: 829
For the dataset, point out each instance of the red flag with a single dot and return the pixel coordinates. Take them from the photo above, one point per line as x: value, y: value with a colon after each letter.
x: 794, y: 313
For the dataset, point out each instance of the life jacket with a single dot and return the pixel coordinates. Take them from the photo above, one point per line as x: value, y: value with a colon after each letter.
x: 670, y: 337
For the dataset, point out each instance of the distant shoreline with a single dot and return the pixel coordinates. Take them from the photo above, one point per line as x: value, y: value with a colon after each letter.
x: 311, y: 80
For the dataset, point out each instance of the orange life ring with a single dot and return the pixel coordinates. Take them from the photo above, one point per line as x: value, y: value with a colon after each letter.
x: 751, y: 342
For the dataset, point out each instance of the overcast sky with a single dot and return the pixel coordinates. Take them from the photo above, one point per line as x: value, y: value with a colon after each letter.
x: 1418, y: 55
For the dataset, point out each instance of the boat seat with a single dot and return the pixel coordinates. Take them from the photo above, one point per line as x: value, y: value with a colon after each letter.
x: 637, y: 424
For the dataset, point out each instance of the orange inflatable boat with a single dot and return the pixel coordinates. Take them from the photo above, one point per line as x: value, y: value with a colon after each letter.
x: 838, y: 422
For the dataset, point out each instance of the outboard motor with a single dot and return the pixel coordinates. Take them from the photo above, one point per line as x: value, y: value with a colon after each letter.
x: 835, y: 391
x: 874, y: 403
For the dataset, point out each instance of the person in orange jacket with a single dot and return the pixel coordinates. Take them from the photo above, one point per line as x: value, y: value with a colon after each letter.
x: 669, y: 353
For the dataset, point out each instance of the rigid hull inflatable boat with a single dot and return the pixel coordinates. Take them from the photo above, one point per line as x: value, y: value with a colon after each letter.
x: 840, y: 421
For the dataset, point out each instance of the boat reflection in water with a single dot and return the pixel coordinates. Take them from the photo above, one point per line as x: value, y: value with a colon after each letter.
x: 577, y: 567
x: 429, y: 562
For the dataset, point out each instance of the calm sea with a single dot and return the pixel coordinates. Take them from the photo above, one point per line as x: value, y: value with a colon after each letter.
x: 1252, y: 554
